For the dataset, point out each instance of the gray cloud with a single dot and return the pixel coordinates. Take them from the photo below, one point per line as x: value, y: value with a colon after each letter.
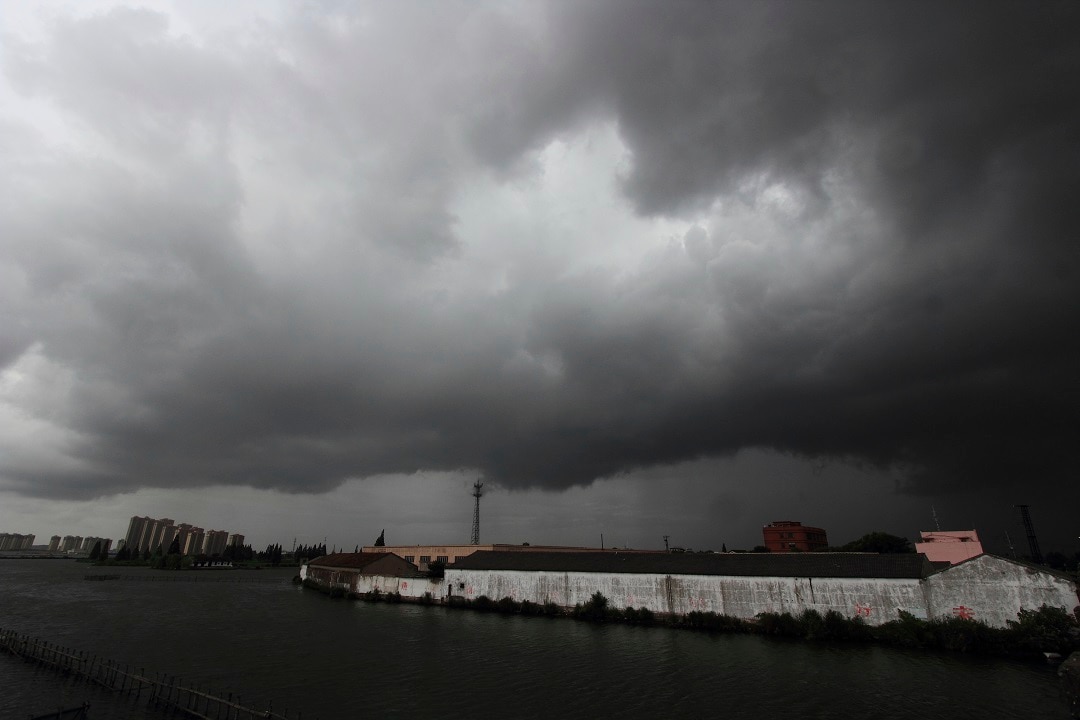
x: 244, y: 260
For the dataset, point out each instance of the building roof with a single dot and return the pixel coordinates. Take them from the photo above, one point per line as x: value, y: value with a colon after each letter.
x: 836, y: 565
x: 928, y: 536
x: 1023, y: 563
x: 352, y: 561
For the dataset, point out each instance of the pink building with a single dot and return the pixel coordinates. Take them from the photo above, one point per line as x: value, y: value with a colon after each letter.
x: 951, y: 546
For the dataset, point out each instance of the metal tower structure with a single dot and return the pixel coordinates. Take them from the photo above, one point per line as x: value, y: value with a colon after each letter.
x: 1033, y: 542
x: 1008, y: 540
x: 476, y: 493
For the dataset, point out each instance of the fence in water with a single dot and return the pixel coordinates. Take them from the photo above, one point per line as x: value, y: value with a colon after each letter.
x: 156, y: 689
x: 75, y: 713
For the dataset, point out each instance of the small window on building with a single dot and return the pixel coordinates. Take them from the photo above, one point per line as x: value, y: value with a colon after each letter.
x: 442, y: 559
x: 425, y: 558
x: 461, y: 586
x: 409, y: 558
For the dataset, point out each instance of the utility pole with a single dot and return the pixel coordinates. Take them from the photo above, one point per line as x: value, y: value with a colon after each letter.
x: 937, y: 525
x: 665, y: 543
x: 477, y: 492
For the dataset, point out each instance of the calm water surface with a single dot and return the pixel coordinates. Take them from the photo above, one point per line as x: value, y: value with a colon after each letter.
x: 336, y: 659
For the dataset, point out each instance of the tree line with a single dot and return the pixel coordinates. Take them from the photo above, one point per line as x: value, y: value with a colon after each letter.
x: 173, y: 558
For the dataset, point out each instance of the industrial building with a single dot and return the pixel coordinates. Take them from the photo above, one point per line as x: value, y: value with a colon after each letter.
x: 791, y: 536
x: 951, y: 546
x: 421, y: 555
x: 366, y: 572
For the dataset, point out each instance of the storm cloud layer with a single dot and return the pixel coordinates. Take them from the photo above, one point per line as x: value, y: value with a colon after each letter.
x: 548, y: 242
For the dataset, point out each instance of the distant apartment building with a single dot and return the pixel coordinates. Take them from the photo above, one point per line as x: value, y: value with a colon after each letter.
x: 15, y: 541
x: 168, y: 534
x: 182, y: 536
x: 147, y: 533
x: 70, y: 543
x: 951, y: 546
x: 236, y: 540
x: 792, y: 536
x: 54, y: 543
x: 88, y: 543
x: 140, y: 533
x: 216, y: 542
x: 194, y: 542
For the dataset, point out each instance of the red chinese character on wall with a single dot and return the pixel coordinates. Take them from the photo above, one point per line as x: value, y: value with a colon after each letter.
x: 964, y: 613
x: 862, y: 610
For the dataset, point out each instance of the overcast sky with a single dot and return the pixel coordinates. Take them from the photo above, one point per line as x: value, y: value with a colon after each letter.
x: 307, y: 270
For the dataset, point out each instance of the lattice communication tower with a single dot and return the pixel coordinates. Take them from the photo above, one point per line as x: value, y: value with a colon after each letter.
x: 1033, y: 542
x: 476, y: 493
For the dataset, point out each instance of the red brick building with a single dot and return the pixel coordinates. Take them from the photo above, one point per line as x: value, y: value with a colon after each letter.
x: 791, y: 536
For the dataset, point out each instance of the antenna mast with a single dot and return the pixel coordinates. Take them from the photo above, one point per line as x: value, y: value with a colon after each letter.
x: 1033, y: 542
x: 477, y: 492
x: 937, y: 525
x: 1011, y: 548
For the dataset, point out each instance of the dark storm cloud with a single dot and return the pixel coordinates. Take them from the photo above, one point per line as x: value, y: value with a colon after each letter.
x: 245, y: 267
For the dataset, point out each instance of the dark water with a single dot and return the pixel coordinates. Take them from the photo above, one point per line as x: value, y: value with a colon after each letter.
x: 336, y: 659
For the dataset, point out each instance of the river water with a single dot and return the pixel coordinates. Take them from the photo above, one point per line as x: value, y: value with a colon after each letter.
x: 273, y: 641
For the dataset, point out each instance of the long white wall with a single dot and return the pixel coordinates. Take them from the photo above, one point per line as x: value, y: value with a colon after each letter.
x: 993, y: 590
x: 987, y: 588
x: 875, y: 600
x: 357, y: 583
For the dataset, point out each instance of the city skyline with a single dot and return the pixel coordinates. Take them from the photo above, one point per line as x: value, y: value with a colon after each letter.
x: 645, y: 269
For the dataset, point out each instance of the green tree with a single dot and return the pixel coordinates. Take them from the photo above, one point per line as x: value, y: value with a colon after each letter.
x: 174, y: 546
x: 381, y: 540
x: 879, y: 542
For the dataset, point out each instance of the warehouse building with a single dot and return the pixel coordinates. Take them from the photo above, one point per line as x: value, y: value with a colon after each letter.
x: 370, y: 572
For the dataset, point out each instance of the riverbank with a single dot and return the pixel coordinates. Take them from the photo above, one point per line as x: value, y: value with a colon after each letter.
x: 1031, y: 636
